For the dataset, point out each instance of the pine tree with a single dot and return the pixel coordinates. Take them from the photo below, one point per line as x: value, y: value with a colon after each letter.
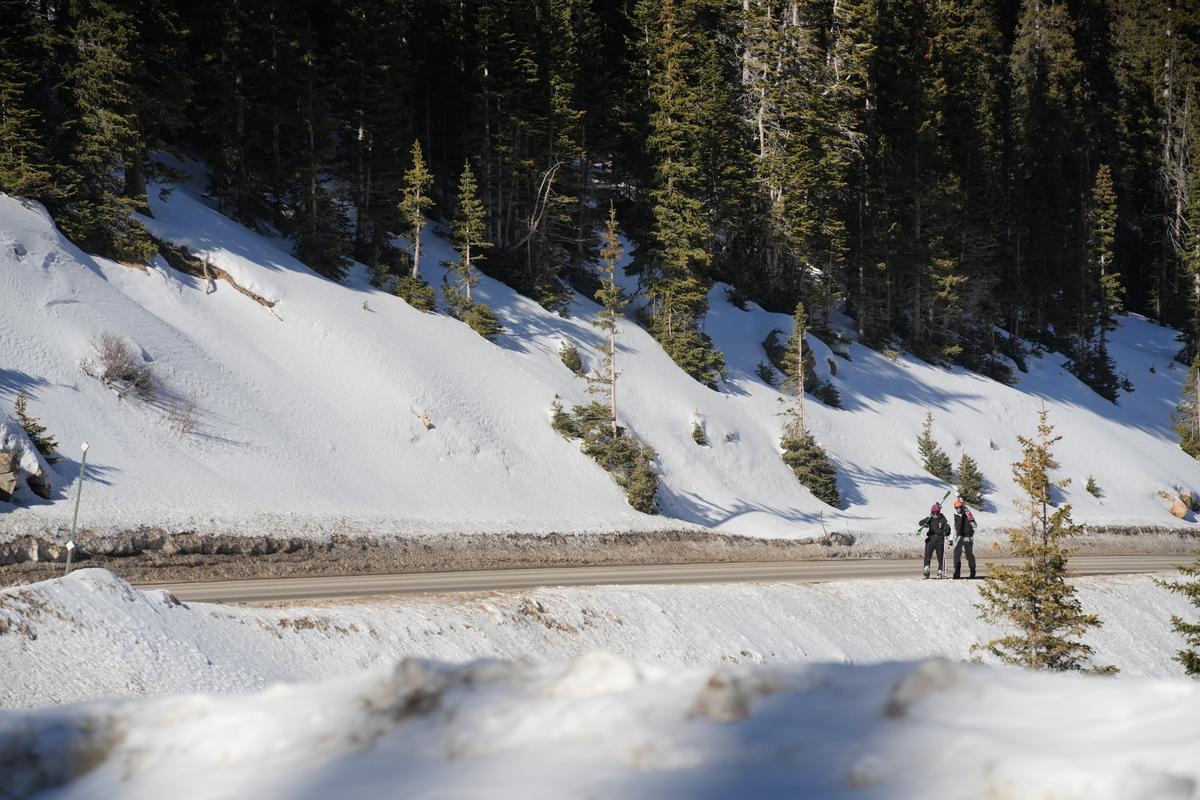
x: 970, y: 481
x: 1187, y: 413
x: 468, y: 231
x: 1051, y: 180
x: 24, y: 162
x: 680, y: 253
x: 1189, y: 657
x: 795, y: 367
x: 612, y: 302
x: 807, y: 459
x: 415, y: 201
x: 318, y: 219
x: 104, y: 137
x: 44, y: 442
x: 616, y: 450
x: 1101, y: 292
x: 1035, y: 596
x: 810, y: 464
x: 933, y: 457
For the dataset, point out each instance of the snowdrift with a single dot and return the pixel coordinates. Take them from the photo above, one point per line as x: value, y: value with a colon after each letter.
x: 601, y: 727
x: 92, y: 635
x: 307, y: 406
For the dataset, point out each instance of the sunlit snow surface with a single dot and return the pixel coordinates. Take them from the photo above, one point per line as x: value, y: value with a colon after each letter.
x: 589, y: 724
x: 309, y: 411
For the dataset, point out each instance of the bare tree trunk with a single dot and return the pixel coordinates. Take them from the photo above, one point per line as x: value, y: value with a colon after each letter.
x: 612, y: 375
x: 416, y: 270
x: 800, y: 379
x: 467, y: 272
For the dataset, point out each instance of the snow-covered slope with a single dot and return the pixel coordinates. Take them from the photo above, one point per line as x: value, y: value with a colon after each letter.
x: 92, y: 635
x: 308, y: 410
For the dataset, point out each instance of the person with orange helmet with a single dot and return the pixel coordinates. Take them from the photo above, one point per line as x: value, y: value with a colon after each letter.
x: 964, y: 537
x: 935, y: 539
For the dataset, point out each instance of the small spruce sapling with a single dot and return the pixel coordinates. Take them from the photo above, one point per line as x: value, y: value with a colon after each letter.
x: 766, y: 373
x: 933, y: 457
x: 43, y: 441
x: 1034, y: 596
x: 1093, y: 488
x: 569, y: 353
x: 698, y: 434
x: 970, y: 481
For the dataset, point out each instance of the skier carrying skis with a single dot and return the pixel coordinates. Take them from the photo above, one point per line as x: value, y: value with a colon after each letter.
x: 964, y: 537
x: 935, y: 540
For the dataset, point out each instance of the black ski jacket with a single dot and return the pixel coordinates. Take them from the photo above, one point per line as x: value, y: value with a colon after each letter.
x: 964, y: 528
x: 937, y: 524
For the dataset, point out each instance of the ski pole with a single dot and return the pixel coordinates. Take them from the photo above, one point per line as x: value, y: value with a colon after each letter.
x: 75, y: 517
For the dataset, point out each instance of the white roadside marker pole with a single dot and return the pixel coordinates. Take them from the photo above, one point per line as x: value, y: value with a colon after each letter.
x: 75, y: 517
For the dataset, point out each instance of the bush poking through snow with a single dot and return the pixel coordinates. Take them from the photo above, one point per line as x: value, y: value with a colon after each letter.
x: 44, y: 442
x: 569, y: 353
x: 828, y: 394
x: 766, y: 373
x: 183, y: 415
x: 970, y: 481
x: 629, y: 462
x: 1189, y: 657
x: 933, y: 457
x: 483, y: 321
x: 698, y: 435
x: 1187, y: 413
x: 118, y: 365
x: 562, y: 422
x: 478, y: 317
x: 416, y: 292
x: 1034, y: 596
x: 1093, y: 488
x: 811, y: 465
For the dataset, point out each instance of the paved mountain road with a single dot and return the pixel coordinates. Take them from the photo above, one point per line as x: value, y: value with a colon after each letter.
x: 323, y: 588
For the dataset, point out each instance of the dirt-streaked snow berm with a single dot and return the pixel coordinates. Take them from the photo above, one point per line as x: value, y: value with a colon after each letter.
x: 669, y: 715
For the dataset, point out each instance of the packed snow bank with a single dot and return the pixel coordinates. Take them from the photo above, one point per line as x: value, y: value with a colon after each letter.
x: 599, y: 726
x: 308, y: 413
x: 92, y: 635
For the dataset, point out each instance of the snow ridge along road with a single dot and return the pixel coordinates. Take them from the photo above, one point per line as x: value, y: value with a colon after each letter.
x: 288, y: 589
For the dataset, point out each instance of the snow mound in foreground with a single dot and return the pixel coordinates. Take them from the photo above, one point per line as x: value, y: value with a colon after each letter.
x: 601, y: 727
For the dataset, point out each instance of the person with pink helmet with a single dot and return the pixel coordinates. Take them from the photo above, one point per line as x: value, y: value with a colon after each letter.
x: 935, y: 539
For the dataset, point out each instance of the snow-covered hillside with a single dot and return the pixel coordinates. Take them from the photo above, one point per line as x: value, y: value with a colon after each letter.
x: 664, y: 716
x: 308, y: 411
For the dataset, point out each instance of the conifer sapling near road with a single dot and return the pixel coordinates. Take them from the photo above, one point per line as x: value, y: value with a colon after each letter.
x: 1189, y: 656
x: 1034, y: 596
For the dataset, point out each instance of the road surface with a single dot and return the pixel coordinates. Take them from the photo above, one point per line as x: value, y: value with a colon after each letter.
x: 323, y: 588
